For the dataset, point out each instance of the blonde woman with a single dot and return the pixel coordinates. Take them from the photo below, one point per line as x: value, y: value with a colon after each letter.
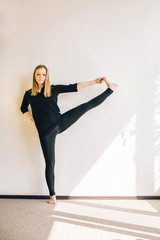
x: 47, y: 118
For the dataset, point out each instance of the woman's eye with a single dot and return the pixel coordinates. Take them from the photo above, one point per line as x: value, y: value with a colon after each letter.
x: 39, y: 74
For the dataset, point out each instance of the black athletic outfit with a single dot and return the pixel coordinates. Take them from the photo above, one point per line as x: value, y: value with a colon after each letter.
x: 50, y: 122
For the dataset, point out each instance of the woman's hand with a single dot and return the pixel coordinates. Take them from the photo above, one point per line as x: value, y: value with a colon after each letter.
x: 100, y: 80
x: 33, y: 121
x: 28, y: 115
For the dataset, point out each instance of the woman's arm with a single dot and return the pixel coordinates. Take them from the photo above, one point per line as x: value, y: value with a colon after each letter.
x: 28, y: 115
x: 89, y: 83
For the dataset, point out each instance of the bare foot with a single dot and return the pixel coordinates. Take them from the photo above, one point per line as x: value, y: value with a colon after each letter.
x: 52, y: 199
x: 112, y: 86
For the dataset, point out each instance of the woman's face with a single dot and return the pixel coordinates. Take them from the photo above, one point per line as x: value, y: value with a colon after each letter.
x: 40, y: 75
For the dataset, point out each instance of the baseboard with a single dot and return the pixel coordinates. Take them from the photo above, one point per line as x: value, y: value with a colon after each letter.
x: 81, y: 197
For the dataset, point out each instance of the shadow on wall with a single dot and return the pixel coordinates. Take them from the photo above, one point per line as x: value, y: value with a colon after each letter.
x: 144, y: 130
x: 99, y: 128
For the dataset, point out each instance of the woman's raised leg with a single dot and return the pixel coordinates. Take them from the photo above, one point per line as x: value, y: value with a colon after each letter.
x: 71, y: 116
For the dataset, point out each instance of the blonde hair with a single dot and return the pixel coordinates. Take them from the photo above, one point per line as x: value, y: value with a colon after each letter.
x: 47, y: 86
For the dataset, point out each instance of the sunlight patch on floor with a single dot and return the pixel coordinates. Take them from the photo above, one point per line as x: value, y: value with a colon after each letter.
x: 104, y: 219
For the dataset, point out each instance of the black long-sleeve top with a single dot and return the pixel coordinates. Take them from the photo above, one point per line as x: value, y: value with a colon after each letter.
x: 45, y: 110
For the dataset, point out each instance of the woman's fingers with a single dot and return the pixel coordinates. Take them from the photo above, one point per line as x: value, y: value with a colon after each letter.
x: 33, y: 121
x: 103, y: 78
x: 100, y: 79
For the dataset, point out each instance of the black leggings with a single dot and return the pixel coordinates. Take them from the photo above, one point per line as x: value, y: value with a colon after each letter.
x: 65, y: 121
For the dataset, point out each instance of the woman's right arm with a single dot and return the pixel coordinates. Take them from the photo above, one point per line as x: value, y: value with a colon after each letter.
x: 24, y: 108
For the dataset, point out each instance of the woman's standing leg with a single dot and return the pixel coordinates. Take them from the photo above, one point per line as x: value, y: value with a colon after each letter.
x: 48, y: 149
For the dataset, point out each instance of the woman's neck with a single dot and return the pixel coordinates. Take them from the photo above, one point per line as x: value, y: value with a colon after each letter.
x: 40, y: 86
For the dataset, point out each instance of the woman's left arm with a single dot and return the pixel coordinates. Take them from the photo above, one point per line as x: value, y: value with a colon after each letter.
x: 81, y: 85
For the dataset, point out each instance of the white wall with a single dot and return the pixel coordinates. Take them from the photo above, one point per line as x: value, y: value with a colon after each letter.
x: 113, y: 150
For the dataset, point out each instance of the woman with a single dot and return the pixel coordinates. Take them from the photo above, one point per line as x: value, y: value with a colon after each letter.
x: 47, y: 117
